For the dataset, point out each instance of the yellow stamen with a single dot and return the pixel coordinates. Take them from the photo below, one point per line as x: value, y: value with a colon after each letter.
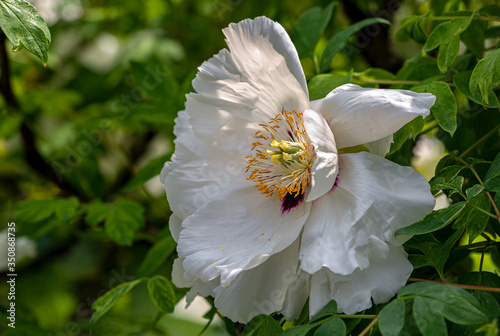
x: 276, y: 159
x: 284, y: 145
x: 281, y: 167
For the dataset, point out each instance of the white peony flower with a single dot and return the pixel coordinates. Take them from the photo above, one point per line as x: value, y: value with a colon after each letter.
x: 267, y: 211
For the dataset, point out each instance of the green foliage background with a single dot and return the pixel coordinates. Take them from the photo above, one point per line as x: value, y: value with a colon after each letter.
x: 82, y: 142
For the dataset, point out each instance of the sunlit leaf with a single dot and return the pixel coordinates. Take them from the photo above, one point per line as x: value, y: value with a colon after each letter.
x: 434, y: 221
x: 445, y: 107
x: 320, y: 85
x: 25, y: 27
x: 486, y: 75
x: 156, y: 256
x: 308, y: 29
x: 161, y: 292
x: 106, y: 302
x: 122, y: 219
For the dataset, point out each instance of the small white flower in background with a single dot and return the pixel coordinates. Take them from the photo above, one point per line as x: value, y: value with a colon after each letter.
x: 267, y: 210
x: 25, y: 248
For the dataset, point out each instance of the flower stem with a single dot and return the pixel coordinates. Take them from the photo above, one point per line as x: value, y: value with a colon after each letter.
x: 484, y: 211
x: 358, y: 316
x: 369, y: 327
x: 473, y: 170
x: 158, y: 317
x: 481, y: 288
x: 481, y: 262
x: 475, y: 144
x: 316, y: 64
x: 392, y: 81
x: 479, y: 17
x: 476, y: 245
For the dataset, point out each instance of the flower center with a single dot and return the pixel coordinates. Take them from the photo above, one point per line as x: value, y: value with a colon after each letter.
x: 282, y: 160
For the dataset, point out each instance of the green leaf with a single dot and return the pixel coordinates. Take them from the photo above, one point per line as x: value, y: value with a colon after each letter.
x: 474, y: 190
x: 428, y: 322
x: 450, y: 188
x: 475, y: 220
x: 462, y: 81
x: 376, y: 73
x: 329, y: 310
x: 333, y: 326
x: 438, y: 6
x: 436, y: 254
x: 25, y: 27
x: 492, y: 179
x: 323, y: 84
x: 156, y: 256
x: 493, y: 32
x: 412, y: 27
x: 490, y: 10
x: 486, y: 75
x: 484, y: 278
x: 445, y: 108
x: 391, y: 318
x: 419, y: 260
x: 262, y: 325
x: 446, y: 174
x: 152, y: 169
x: 96, y: 213
x: 121, y: 219
x: 124, y: 219
x: 412, y: 128
x: 453, y: 303
x: 37, y: 217
x: 162, y: 293
x: 308, y: 29
x: 420, y: 67
x: 434, y: 221
x: 301, y: 330
x: 445, y: 31
x: 473, y: 37
x: 490, y: 329
x: 339, y: 40
x: 474, y: 161
x: 448, y: 52
x: 9, y: 125
x: 105, y: 302
x: 489, y: 303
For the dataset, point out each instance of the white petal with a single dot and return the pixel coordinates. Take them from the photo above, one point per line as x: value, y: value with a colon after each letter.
x: 181, y: 123
x: 325, y: 166
x: 363, y: 115
x: 178, y: 275
x: 183, y: 279
x: 374, y: 197
x: 354, y: 292
x: 175, y: 226
x: 199, y: 172
x: 192, y: 188
x: 265, y: 288
x: 380, y: 147
x: 236, y: 233
x: 296, y: 295
x: 238, y: 90
x: 181, y: 127
x: 260, y: 42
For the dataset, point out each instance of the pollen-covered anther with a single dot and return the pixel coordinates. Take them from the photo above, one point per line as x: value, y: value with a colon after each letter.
x: 282, y: 159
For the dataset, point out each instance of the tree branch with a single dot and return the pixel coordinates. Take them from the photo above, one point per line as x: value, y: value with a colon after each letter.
x: 33, y: 156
